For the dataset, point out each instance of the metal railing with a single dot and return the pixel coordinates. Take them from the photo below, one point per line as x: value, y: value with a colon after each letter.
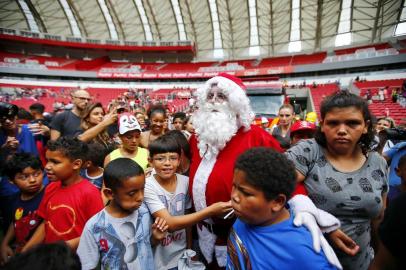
x: 30, y: 34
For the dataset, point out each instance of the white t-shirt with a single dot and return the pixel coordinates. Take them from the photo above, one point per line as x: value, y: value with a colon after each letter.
x: 168, y: 252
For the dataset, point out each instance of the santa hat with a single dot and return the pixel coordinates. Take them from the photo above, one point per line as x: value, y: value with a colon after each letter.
x: 234, y: 89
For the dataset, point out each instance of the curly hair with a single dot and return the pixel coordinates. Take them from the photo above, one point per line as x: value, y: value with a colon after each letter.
x: 345, y: 99
x: 269, y: 171
x: 72, y: 148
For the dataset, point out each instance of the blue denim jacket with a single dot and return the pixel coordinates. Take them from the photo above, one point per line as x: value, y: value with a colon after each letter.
x: 113, y: 257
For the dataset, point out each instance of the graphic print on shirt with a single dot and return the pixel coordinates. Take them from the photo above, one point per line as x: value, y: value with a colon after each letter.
x: 24, y: 226
x: 115, y: 255
x: 176, y: 207
x: 239, y: 257
x: 60, y: 210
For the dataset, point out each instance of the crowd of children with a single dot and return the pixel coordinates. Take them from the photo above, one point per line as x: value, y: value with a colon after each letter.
x: 131, y: 208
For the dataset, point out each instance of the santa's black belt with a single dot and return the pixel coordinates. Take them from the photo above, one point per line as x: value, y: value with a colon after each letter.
x: 217, y: 229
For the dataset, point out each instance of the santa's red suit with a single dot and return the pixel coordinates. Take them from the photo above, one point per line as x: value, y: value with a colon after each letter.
x: 211, y: 172
x: 220, y: 181
x: 219, y: 184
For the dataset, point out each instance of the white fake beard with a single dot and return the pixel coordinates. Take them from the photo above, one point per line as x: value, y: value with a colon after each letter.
x: 215, y: 125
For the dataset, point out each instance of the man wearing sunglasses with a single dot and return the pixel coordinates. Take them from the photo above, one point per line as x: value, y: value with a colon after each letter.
x: 67, y: 123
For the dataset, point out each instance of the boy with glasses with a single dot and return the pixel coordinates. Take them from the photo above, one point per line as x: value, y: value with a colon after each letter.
x: 166, y: 195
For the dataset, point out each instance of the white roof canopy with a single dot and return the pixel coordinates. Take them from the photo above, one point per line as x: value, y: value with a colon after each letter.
x: 229, y: 29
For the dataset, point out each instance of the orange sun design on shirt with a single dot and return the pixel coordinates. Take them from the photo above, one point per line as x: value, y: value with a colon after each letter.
x: 60, y: 233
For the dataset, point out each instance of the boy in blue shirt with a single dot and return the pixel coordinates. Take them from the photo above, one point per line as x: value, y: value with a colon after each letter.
x: 264, y: 236
x: 26, y: 173
x: 400, y: 170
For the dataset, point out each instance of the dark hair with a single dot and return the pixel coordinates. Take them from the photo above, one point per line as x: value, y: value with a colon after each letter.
x: 345, y: 99
x: 55, y: 256
x: 269, y: 171
x: 38, y: 107
x: 72, y: 148
x: 156, y: 109
x: 402, y: 161
x: 181, y: 140
x: 119, y: 170
x: 8, y: 110
x: 96, y: 154
x: 180, y: 115
x: 24, y: 114
x: 19, y: 161
x: 187, y: 119
x: 164, y: 144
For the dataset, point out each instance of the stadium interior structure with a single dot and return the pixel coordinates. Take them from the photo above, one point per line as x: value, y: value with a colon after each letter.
x: 167, y: 49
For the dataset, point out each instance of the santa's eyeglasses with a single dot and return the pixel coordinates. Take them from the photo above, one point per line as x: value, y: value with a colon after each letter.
x: 216, y: 96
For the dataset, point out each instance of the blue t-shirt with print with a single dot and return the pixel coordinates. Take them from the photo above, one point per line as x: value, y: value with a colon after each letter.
x: 280, y: 246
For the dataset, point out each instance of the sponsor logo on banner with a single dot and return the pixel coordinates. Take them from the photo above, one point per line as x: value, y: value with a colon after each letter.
x: 154, y: 75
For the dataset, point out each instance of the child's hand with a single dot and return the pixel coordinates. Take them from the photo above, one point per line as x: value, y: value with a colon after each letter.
x: 148, y: 172
x: 220, y: 209
x: 159, y: 229
x: 6, y: 252
x: 11, y: 143
x: 39, y: 129
x: 343, y: 242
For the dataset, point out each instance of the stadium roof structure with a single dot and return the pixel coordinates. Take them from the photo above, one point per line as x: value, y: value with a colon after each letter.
x: 220, y: 29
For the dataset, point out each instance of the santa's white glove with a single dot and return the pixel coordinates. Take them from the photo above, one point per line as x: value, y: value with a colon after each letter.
x: 325, y: 221
x: 319, y: 241
x: 316, y: 221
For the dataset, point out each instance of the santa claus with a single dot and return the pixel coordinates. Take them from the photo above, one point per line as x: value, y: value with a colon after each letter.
x: 223, y: 131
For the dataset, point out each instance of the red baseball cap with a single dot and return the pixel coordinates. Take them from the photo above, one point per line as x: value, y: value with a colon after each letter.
x: 302, y: 125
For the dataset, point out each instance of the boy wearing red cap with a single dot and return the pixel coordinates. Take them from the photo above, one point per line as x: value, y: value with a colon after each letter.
x: 301, y: 130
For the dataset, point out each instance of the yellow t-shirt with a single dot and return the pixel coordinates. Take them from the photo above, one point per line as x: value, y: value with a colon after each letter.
x: 141, y: 158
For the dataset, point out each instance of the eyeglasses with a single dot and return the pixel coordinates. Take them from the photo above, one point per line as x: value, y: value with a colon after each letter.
x: 220, y: 97
x: 83, y: 98
x: 164, y: 159
x: 24, y: 177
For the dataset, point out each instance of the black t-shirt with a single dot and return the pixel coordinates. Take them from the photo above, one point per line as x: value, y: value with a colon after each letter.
x: 67, y: 123
x: 392, y: 230
x: 25, y: 217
